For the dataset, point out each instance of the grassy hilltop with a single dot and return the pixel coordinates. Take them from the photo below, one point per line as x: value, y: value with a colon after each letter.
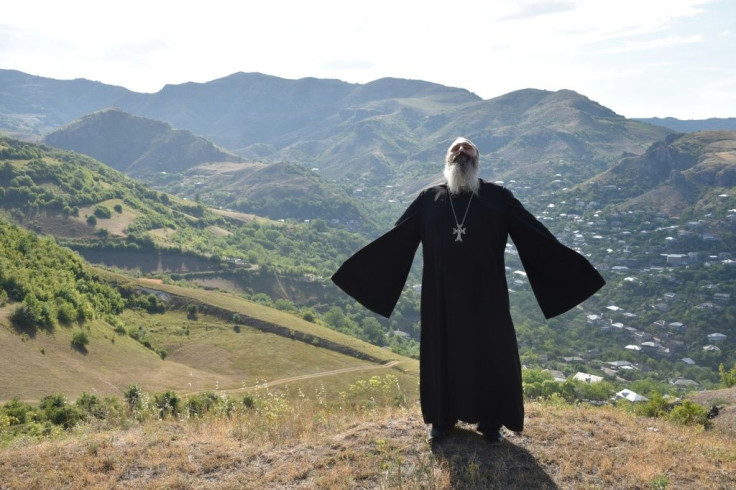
x: 372, y: 438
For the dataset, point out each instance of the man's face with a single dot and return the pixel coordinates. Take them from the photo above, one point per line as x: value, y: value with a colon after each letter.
x: 461, y: 152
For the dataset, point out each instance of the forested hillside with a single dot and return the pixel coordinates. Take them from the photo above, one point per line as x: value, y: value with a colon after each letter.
x: 113, y: 220
x: 51, y: 283
x: 136, y: 145
x: 181, y: 163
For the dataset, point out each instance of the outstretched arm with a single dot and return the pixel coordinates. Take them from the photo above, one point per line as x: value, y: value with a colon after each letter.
x: 560, y: 277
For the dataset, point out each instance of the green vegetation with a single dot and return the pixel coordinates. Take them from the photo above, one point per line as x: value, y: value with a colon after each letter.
x: 287, y: 265
x: 37, y: 180
x: 51, y: 284
x: 55, y: 412
x: 275, y: 190
x: 43, y: 187
x: 728, y: 377
x: 540, y: 384
x: 80, y: 339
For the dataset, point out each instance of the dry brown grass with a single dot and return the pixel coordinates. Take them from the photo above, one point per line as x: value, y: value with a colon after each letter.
x: 309, y: 444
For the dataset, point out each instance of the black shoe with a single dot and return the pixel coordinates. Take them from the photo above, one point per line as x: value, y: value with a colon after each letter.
x: 439, y: 431
x: 435, y: 434
x: 491, y: 434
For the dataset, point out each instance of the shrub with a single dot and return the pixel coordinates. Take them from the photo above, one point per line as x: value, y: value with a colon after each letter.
x: 249, y: 401
x: 201, y: 403
x: 192, y: 312
x: 283, y: 305
x: 66, y: 312
x: 690, y: 413
x: 80, y: 339
x: 91, y: 405
x: 103, y: 212
x: 262, y: 298
x: 134, y: 396
x: 728, y: 378
x: 91, y: 220
x: 167, y: 403
x: 19, y: 412
x: 155, y: 305
x: 23, y: 317
x: 656, y: 406
x: 56, y: 410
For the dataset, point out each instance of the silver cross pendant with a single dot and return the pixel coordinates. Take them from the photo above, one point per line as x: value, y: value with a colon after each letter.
x: 458, y: 232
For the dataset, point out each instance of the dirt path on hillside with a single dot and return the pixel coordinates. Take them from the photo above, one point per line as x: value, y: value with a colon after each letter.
x: 322, y: 374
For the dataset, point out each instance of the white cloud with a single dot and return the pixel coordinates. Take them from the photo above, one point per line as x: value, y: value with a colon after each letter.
x: 605, y: 49
x: 664, y: 42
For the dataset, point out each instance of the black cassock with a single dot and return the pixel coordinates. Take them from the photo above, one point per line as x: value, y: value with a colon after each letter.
x: 469, y: 359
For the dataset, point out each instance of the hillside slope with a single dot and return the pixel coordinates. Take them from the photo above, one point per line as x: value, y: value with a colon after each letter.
x: 136, y: 145
x: 232, y: 344
x: 181, y: 163
x: 684, y: 173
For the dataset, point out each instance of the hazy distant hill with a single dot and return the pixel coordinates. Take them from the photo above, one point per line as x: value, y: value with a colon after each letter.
x: 526, y: 133
x: 274, y: 190
x: 685, y: 173
x: 692, y: 125
x: 31, y: 105
x: 185, y: 164
x: 386, y: 131
x: 136, y: 145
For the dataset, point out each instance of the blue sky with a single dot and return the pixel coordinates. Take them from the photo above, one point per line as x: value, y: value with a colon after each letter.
x: 640, y: 58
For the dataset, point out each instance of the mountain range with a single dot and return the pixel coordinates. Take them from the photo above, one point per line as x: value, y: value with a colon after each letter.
x: 386, y: 132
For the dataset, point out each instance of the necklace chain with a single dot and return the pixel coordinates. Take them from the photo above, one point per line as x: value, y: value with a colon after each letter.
x: 459, y: 229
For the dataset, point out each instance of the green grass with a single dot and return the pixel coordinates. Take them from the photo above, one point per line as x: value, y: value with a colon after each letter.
x: 235, y: 304
x: 203, y: 354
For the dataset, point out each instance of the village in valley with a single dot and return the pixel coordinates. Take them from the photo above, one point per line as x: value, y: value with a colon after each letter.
x: 667, y: 311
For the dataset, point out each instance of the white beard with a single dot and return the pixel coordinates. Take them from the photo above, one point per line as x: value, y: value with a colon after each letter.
x: 461, y: 178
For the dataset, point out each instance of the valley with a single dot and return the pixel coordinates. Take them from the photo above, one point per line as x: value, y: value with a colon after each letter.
x: 204, y: 240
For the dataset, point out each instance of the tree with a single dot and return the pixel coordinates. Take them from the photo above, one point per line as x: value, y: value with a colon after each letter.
x: 192, y: 312
x: 728, y: 378
x: 373, y: 332
x: 103, y: 212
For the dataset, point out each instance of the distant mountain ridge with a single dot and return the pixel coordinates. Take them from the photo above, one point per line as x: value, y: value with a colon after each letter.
x: 692, y: 125
x: 386, y: 131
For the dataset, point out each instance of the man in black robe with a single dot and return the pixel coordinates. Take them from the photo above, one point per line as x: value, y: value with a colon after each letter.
x: 469, y: 359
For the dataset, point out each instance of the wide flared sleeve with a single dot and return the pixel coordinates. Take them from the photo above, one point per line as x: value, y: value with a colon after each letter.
x: 375, y: 275
x: 560, y: 277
